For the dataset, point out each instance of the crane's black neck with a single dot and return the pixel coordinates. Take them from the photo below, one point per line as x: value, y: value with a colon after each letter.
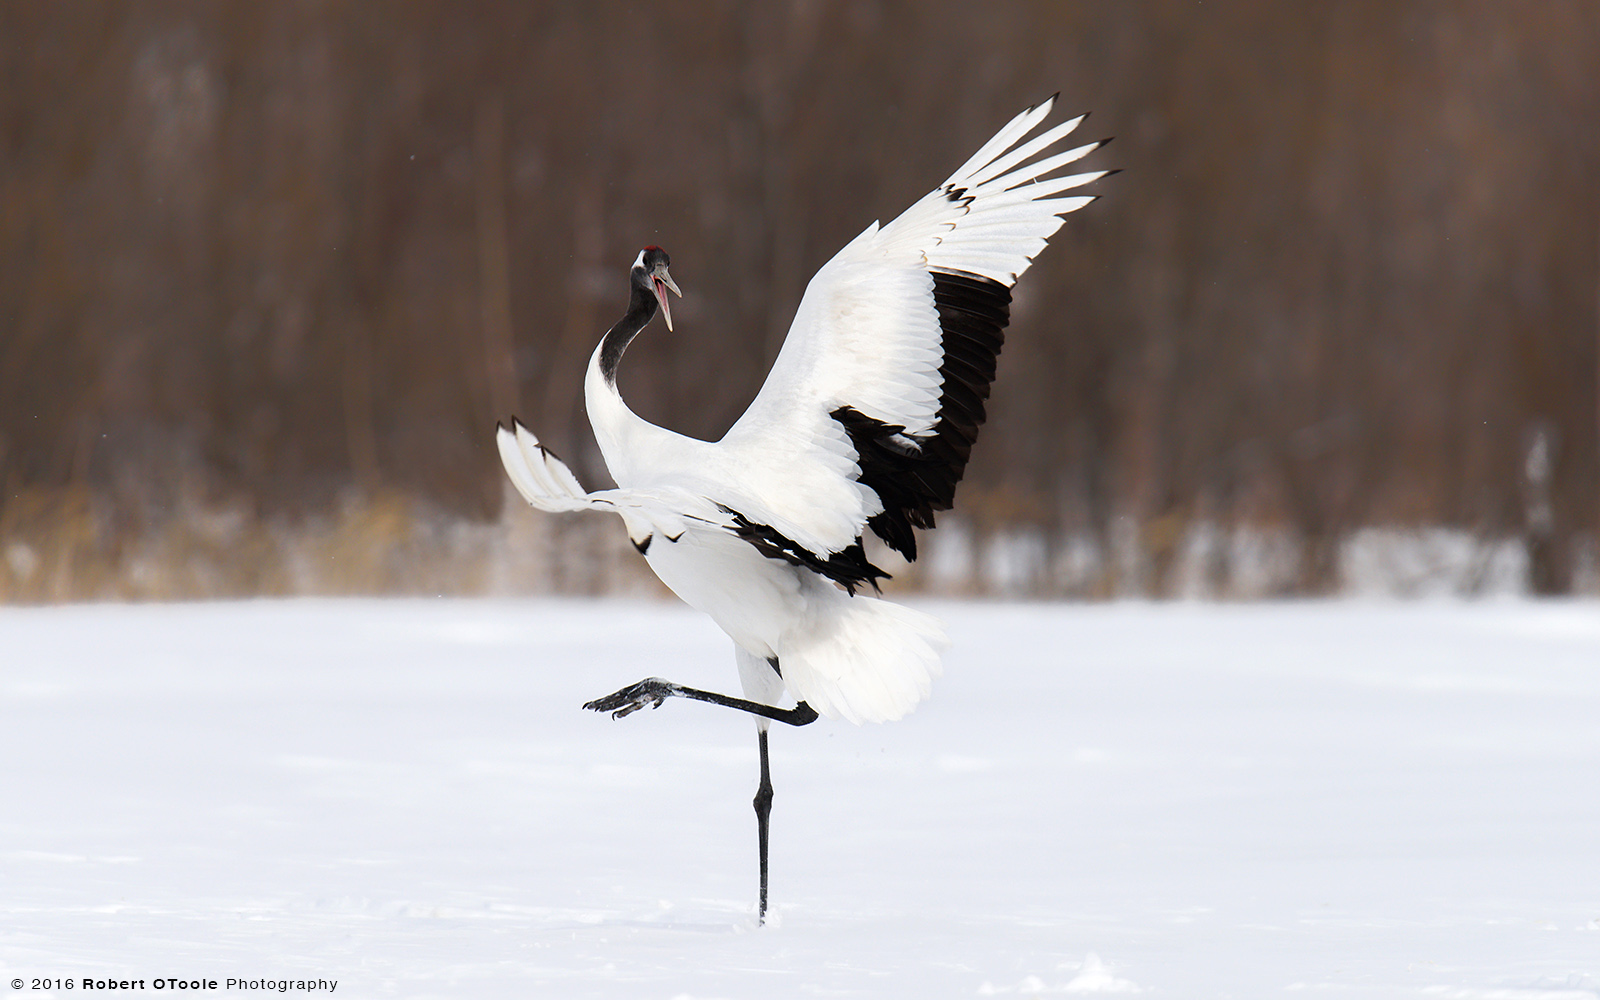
x: 641, y: 310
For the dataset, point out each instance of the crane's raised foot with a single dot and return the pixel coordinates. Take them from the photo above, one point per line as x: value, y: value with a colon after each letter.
x: 651, y: 691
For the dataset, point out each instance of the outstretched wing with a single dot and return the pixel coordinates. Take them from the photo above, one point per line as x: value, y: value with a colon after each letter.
x: 547, y: 483
x: 543, y: 479
x: 877, y: 395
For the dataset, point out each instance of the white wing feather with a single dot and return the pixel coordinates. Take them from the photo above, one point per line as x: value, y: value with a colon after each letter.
x: 867, y: 333
x: 542, y: 478
x: 548, y: 484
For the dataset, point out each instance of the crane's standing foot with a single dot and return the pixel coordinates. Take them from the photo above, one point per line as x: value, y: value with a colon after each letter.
x: 763, y: 804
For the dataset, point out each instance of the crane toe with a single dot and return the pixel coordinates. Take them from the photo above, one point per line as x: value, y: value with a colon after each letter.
x: 651, y: 691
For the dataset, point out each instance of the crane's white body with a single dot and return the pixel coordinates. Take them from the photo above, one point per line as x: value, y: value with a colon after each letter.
x: 867, y: 336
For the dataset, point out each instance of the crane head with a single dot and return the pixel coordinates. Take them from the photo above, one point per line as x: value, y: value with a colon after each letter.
x: 653, y: 262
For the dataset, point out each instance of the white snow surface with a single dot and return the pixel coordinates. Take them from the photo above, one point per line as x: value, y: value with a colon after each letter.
x: 1329, y: 799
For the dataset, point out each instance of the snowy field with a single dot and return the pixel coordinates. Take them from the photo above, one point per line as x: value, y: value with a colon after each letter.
x: 1325, y: 800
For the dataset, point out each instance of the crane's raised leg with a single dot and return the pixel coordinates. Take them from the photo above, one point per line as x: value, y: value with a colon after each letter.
x: 653, y: 691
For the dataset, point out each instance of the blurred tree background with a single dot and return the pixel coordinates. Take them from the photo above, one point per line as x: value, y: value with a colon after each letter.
x: 269, y: 273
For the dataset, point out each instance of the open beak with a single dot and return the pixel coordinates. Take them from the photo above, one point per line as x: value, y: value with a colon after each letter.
x: 660, y: 281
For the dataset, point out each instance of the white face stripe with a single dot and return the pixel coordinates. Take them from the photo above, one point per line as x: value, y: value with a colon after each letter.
x: 639, y: 260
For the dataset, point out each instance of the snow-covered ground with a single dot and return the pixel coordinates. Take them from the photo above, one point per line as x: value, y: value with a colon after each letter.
x: 1333, y: 800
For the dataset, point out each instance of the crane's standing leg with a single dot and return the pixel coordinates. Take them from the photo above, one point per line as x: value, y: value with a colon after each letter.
x: 763, y: 804
x: 762, y: 680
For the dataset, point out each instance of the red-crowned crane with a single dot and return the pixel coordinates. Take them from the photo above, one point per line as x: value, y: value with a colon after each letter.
x: 864, y: 424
